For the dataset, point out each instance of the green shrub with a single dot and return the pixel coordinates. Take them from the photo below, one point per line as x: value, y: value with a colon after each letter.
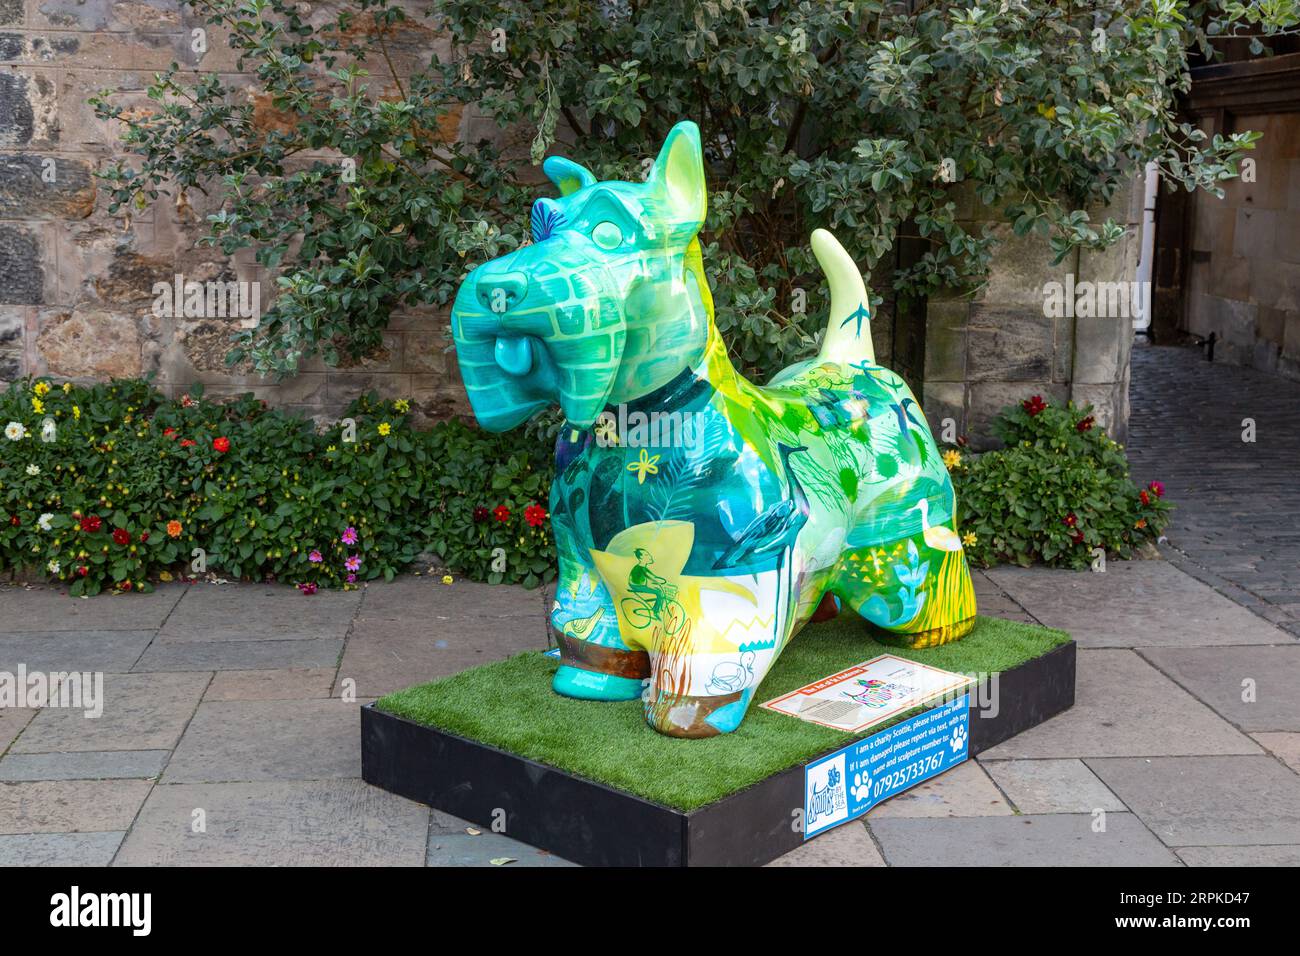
x: 1059, y: 489
x: 114, y: 486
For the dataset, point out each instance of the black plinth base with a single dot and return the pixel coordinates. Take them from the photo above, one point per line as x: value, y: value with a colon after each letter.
x: 597, y: 825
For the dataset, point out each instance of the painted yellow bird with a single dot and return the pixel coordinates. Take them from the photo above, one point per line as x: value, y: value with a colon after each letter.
x: 941, y: 538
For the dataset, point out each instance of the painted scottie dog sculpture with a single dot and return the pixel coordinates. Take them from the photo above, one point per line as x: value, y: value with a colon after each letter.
x: 700, y: 519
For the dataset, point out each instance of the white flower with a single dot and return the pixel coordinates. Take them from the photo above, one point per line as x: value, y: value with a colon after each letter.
x: 15, y: 431
x: 43, y: 522
x: 54, y: 567
x: 33, y: 469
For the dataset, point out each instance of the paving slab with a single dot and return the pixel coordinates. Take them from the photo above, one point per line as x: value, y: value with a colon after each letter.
x: 50, y: 609
x: 94, y: 765
x: 1051, y: 786
x: 1286, y: 747
x: 269, y: 740
x: 1208, y: 801
x: 428, y: 599
x: 12, y: 722
x: 1125, y: 707
x: 70, y: 806
x: 963, y: 791
x: 298, y: 683
x: 286, y: 823
x: 59, y: 849
x: 106, y: 651
x: 1134, y: 604
x: 1239, y: 855
x: 1056, y: 839
x: 240, y: 655
x: 992, y: 601
x: 451, y: 844
x: 847, y: 845
x: 259, y: 612
x: 1267, y: 677
x: 387, y: 655
x: 141, y: 712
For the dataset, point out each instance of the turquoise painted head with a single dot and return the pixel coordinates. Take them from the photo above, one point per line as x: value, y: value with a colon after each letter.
x: 606, y: 303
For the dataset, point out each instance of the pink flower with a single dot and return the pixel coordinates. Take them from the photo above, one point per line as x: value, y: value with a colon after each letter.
x: 315, y: 557
x: 352, y: 579
x: 307, y: 588
x: 1158, y: 488
x: 353, y: 563
x: 349, y: 536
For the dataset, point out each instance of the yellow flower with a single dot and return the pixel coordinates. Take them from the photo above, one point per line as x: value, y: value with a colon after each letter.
x: 67, y: 387
x: 970, y: 539
x: 332, y: 448
x: 38, y: 406
x: 76, y: 411
x: 385, y: 428
x: 164, y: 576
x: 41, y: 388
x: 643, y: 466
x: 951, y: 459
x: 401, y: 405
x: 446, y: 579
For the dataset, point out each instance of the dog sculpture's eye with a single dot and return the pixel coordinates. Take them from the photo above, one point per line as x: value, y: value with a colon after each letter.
x: 607, y: 235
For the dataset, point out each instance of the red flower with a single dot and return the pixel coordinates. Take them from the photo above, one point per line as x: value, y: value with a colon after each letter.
x: 535, y: 515
x: 221, y: 444
x: 13, y: 520
x: 1086, y: 424
x: 502, y: 513
x: 169, y: 432
x: 481, y: 514
x: 187, y: 442
x: 307, y: 588
x: 1070, y: 520
x: 83, y: 570
x: 1077, y: 537
x: 126, y: 585
x: 91, y: 523
x: 144, y: 536
x: 1144, y: 497
x: 1034, y: 404
x: 1158, y: 488
x: 121, y: 536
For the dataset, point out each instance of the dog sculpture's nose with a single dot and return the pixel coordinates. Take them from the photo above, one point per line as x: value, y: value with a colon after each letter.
x: 502, y: 291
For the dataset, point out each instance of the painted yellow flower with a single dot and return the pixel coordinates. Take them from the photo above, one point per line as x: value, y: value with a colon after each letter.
x: 645, y: 465
x: 385, y: 428
x: 951, y: 459
x: 607, y: 431
x: 970, y: 539
x: 402, y: 405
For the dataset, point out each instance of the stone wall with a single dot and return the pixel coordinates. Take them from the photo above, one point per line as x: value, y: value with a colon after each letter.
x: 1001, y: 345
x: 1243, y: 274
x: 76, y: 283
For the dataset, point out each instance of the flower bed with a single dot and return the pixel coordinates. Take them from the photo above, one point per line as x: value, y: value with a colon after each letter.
x: 114, y: 486
x: 1058, y: 490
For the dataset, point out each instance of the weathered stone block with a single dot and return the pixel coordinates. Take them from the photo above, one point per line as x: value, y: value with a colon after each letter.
x: 1097, y: 346
x: 45, y: 187
x: 987, y: 399
x: 22, y: 273
x: 942, y: 401
x: 946, y: 340
x: 92, y: 344
x: 1009, y: 344
x: 1020, y: 268
x: 11, y: 13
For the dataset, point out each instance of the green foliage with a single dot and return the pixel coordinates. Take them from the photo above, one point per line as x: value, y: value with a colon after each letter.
x: 1059, y: 489
x: 857, y: 116
x: 130, y: 483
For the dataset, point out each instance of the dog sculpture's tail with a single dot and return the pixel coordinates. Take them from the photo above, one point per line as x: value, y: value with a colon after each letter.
x: 848, y: 338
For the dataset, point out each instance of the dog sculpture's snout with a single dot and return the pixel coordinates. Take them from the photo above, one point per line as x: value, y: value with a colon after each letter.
x: 502, y: 291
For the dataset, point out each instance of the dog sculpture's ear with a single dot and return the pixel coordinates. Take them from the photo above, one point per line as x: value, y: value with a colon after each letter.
x: 567, y: 175
x: 678, y: 174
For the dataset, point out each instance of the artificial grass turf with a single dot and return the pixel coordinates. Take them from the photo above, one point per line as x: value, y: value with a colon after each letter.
x: 510, y: 705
